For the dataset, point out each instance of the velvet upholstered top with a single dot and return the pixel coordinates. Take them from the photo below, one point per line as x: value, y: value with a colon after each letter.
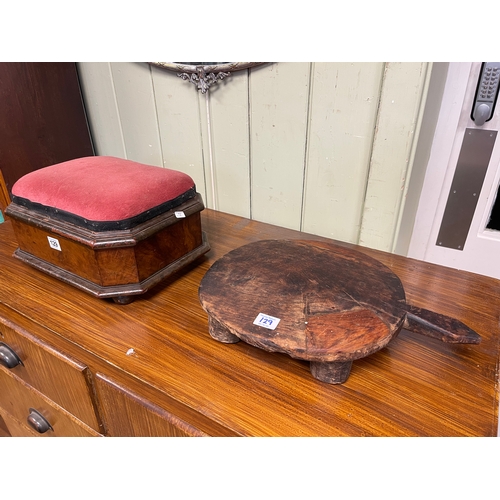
x: 103, y: 192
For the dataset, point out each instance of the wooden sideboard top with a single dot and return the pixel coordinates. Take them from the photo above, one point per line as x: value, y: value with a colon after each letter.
x: 416, y: 386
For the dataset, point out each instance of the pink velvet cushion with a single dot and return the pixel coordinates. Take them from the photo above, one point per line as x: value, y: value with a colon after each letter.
x: 103, y: 188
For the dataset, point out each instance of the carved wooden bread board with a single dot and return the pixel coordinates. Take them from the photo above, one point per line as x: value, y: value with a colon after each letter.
x: 319, y: 302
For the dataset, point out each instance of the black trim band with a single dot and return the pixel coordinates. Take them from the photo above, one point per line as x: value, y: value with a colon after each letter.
x: 94, y: 225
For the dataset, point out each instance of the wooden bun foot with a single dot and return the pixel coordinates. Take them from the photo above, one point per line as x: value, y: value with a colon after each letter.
x: 221, y: 333
x: 123, y: 299
x: 333, y: 373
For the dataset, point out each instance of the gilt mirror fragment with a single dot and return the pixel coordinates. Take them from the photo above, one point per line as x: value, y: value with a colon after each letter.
x: 204, y: 74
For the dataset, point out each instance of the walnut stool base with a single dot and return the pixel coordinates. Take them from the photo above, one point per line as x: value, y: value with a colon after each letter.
x: 111, y: 264
x: 121, y: 294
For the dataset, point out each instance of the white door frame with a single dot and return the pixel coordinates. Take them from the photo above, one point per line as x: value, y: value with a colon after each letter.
x: 482, y: 245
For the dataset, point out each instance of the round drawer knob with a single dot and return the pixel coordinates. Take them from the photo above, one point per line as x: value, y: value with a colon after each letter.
x: 38, y: 422
x: 8, y: 356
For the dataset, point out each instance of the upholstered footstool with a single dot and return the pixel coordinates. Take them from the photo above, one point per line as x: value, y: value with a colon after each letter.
x: 111, y: 227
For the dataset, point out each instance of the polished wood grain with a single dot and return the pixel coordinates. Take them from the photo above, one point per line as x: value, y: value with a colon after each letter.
x: 159, y: 348
x: 42, y: 117
x: 17, y: 398
x: 199, y: 422
x: 64, y: 380
x: 15, y: 428
x: 4, y: 195
x: 4, y: 429
x: 115, y: 263
x: 129, y: 414
x: 322, y: 303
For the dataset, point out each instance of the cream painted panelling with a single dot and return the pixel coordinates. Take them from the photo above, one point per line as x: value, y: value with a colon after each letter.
x: 226, y: 135
x: 179, y: 124
x: 100, y: 101
x: 322, y: 147
x: 137, y: 107
x: 343, y: 113
x: 279, y: 100
x: 397, y: 125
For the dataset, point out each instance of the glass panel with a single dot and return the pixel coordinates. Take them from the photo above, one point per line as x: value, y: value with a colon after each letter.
x: 494, y: 222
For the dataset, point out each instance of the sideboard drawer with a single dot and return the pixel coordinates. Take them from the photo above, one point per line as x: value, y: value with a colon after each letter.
x: 16, y: 428
x: 64, y: 380
x: 19, y: 400
x: 127, y: 414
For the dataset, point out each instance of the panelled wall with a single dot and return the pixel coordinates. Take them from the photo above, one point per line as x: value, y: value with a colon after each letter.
x: 326, y: 148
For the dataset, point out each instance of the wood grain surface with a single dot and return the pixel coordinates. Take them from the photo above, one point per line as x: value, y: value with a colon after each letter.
x: 333, y: 303
x: 4, y: 195
x: 42, y: 117
x: 416, y: 386
x: 314, y: 301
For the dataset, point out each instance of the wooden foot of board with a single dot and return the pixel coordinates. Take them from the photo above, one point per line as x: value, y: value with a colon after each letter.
x: 221, y: 333
x: 336, y: 372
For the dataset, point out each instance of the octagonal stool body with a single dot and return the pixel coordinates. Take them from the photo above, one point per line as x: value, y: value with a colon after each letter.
x: 111, y: 227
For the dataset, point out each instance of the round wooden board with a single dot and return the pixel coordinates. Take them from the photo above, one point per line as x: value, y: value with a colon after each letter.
x: 334, y: 304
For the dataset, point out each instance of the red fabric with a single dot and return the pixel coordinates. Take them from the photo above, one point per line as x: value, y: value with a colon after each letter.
x: 102, y: 188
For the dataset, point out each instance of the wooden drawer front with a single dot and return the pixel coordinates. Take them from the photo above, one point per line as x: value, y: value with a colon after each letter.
x: 127, y: 414
x: 16, y: 428
x: 16, y: 399
x: 4, y: 429
x: 60, y: 378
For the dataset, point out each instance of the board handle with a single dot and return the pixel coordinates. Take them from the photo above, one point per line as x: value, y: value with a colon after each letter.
x: 439, y: 326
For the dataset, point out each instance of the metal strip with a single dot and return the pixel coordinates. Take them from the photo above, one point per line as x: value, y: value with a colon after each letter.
x: 472, y: 165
